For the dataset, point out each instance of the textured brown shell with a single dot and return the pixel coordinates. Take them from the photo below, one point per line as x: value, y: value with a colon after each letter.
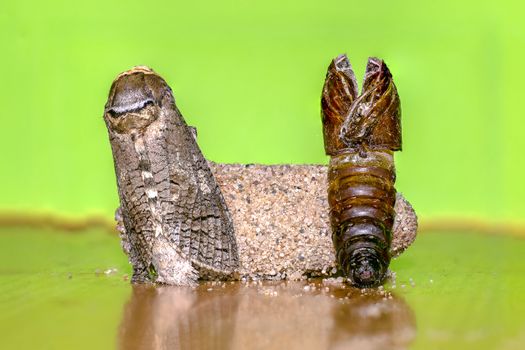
x: 372, y: 119
x: 169, y: 198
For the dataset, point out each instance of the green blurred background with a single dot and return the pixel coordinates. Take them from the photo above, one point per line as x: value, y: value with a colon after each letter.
x: 248, y: 75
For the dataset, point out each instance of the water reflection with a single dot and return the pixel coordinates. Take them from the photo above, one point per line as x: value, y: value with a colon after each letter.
x: 178, y: 318
x: 284, y: 315
x: 372, y: 322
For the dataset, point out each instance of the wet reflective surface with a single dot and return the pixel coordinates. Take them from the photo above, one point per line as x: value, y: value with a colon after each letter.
x: 283, y: 315
x: 452, y: 291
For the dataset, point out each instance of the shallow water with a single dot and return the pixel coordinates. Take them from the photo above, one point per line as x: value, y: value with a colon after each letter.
x: 452, y: 291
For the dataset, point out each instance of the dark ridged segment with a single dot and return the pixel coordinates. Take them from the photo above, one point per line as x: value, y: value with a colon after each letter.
x: 357, y: 211
x: 354, y: 195
x: 362, y: 200
x: 365, y: 170
x: 366, y: 191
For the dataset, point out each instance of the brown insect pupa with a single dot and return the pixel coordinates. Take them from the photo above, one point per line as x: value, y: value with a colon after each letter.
x: 361, y: 133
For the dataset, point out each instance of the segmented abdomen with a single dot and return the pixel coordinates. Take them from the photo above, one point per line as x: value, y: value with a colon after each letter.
x: 361, y: 196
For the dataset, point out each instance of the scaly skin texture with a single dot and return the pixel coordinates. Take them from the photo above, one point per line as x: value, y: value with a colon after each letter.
x: 361, y: 133
x: 175, y: 224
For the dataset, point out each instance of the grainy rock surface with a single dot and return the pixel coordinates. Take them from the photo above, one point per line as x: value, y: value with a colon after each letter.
x: 281, y: 219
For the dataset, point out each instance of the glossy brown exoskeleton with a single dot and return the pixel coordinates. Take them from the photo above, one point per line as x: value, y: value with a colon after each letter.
x: 361, y: 133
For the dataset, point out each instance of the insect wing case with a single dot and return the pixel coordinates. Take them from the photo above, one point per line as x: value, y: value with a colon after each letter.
x: 172, y: 209
x: 361, y: 133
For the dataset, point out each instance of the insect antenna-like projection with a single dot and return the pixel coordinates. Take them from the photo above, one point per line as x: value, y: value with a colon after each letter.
x: 174, y: 223
x: 361, y: 133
